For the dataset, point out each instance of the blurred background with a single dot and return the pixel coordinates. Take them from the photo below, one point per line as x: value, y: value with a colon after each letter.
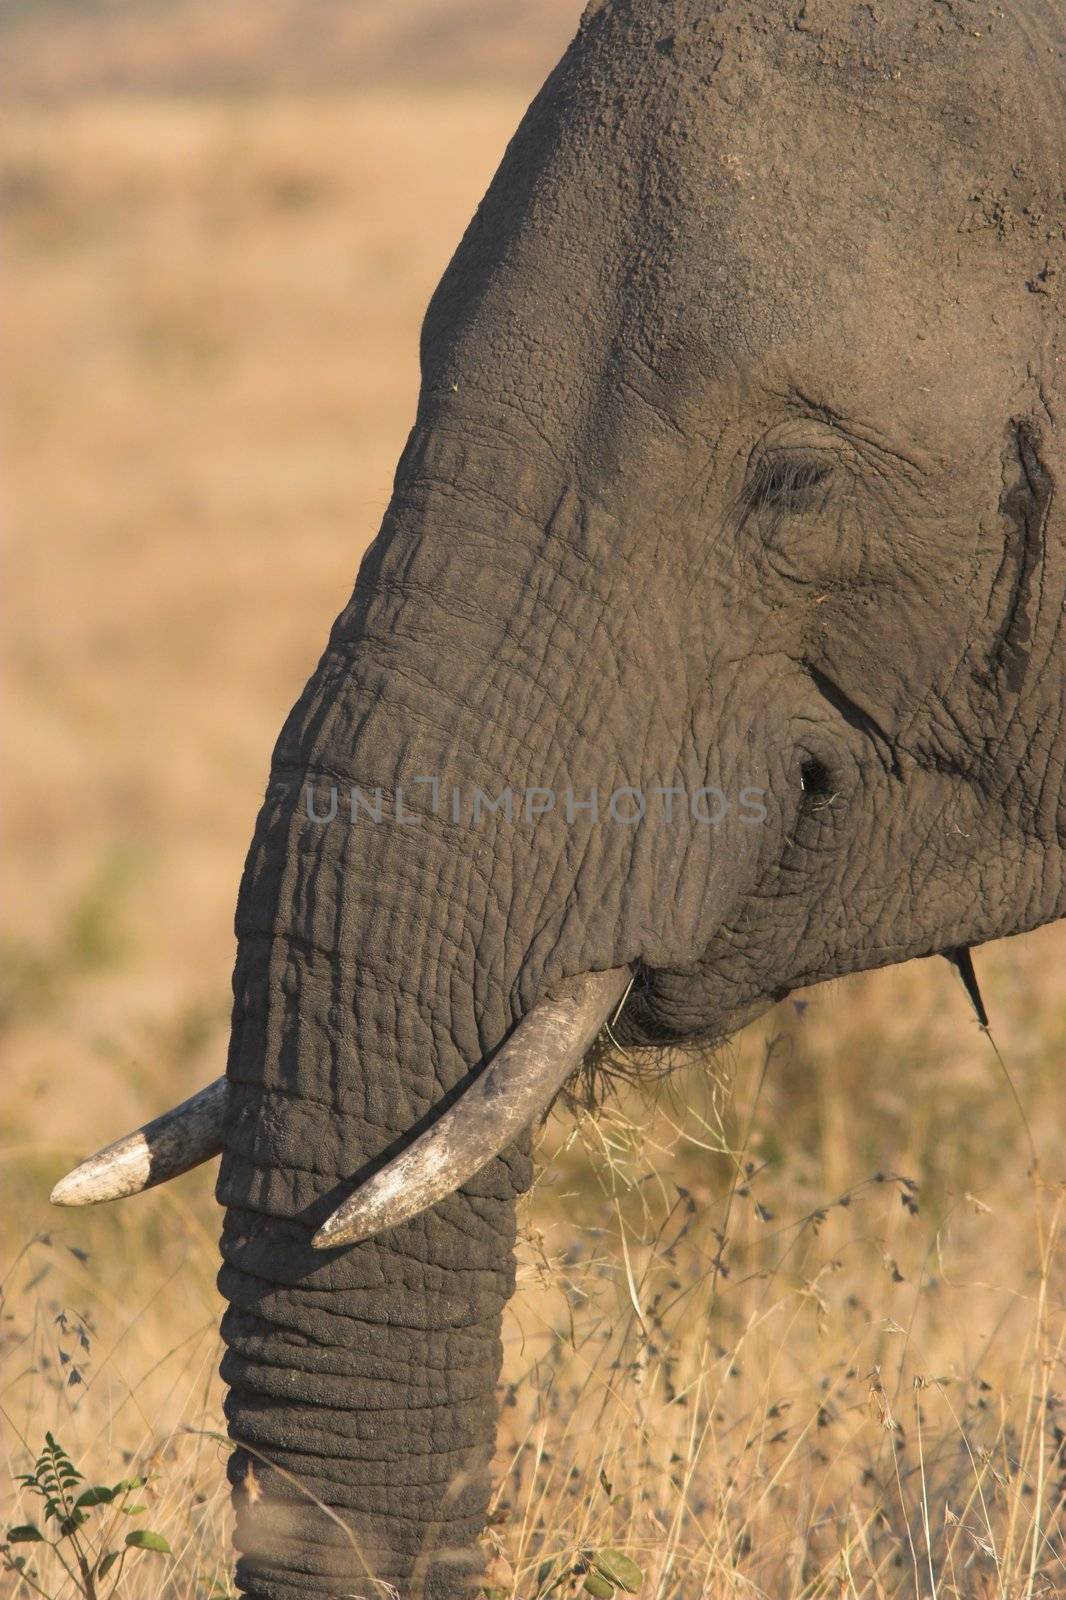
x: 222, y: 223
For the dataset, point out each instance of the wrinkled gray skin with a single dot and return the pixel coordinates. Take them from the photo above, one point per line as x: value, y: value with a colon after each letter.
x: 734, y: 464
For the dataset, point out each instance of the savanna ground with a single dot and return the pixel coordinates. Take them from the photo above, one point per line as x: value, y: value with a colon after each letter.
x: 792, y: 1328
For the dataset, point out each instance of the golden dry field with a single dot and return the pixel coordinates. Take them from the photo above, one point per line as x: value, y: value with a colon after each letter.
x: 791, y: 1327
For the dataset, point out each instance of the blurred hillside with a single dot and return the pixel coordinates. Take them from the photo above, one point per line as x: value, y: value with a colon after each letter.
x: 67, y: 47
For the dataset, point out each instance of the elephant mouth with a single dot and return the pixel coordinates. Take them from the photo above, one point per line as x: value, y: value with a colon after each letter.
x: 486, y: 1114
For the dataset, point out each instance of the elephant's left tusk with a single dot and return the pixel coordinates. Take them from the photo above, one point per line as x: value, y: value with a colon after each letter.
x: 182, y: 1138
x: 520, y: 1081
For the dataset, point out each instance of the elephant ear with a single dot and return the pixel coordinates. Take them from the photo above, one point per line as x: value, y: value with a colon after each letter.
x: 1026, y: 504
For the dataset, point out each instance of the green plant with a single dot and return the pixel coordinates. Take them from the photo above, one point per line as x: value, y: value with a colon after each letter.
x: 87, y: 1558
x: 608, y: 1571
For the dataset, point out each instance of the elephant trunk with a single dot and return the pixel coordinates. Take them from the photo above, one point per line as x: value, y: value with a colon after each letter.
x: 388, y: 944
x: 361, y: 1380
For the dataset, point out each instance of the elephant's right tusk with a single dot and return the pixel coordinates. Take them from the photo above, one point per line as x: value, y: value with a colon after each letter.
x: 178, y: 1140
x: 520, y: 1081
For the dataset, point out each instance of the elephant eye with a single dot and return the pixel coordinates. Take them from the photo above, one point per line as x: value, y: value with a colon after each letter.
x: 787, y: 482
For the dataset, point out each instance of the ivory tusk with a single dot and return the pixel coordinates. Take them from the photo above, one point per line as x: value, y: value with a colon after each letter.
x: 520, y: 1081
x: 178, y: 1140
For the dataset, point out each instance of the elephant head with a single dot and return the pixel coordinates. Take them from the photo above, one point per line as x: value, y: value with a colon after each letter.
x: 712, y: 645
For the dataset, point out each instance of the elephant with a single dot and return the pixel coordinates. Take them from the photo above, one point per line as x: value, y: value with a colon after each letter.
x: 712, y: 646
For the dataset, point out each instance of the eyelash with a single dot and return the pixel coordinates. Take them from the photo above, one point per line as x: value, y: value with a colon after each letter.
x: 784, y: 483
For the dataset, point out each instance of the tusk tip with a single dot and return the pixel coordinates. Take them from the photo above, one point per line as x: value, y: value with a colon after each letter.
x: 364, y: 1213
x: 334, y: 1232
x: 180, y: 1139
x: 69, y: 1191
x: 99, y: 1179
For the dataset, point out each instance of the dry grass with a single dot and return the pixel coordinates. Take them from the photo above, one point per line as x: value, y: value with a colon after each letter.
x: 801, y: 1332
x: 800, y: 1336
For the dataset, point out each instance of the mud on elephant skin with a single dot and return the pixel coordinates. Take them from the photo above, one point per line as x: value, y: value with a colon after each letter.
x: 733, y: 482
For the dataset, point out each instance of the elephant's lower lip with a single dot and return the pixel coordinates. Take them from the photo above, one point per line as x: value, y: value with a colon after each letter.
x: 683, y: 1010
